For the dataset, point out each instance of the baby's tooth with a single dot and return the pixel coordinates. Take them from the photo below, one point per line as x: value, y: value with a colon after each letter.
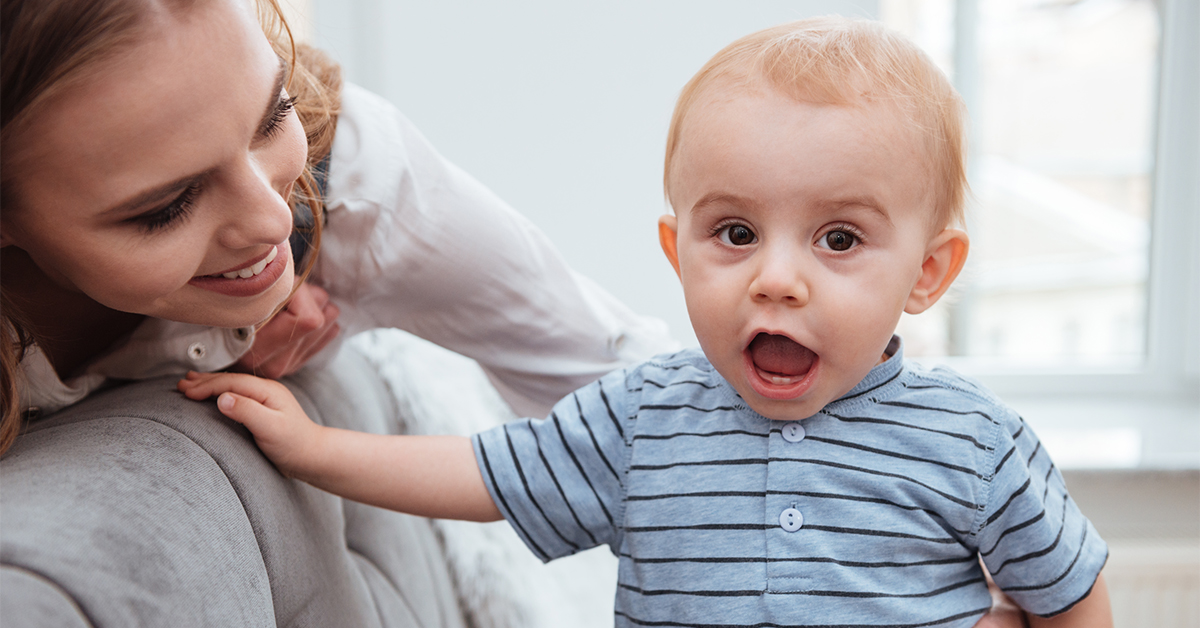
x: 245, y: 273
x: 232, y: 275
x: 781, y: 380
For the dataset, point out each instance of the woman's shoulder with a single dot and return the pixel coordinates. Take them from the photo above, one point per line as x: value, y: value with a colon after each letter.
x: 380, y: 161
x: 369, y: 142
x: 156, y: 347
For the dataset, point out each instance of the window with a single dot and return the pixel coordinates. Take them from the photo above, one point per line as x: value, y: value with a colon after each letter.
x: 1079, y: 303
x: 1062, y: 99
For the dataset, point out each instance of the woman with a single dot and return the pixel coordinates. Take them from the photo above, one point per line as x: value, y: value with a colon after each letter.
x: 115, y: 224
x: 153, y: 153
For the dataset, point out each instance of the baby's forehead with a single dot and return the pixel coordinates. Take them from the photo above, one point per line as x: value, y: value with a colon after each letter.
x: 757, y: 111
x: 761, y: 148
x: 720, y: 97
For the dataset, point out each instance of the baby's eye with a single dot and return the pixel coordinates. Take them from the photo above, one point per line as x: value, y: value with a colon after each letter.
x: 738, y: 235
x: 838, y: 240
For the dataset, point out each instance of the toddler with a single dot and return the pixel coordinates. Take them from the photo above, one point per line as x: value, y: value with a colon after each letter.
x: 796, y: 470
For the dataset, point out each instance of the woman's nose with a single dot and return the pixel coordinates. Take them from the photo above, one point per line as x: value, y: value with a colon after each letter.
x: 255, y: 211
x: 779, y: 278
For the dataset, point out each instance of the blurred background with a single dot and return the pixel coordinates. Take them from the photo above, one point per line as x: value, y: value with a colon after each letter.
x: 1081, y: 301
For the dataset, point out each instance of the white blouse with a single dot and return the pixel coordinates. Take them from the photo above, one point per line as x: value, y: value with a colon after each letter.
x: 414, y: 243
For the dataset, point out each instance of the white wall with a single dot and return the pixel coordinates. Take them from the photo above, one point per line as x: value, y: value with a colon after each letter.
x: 560, y: 107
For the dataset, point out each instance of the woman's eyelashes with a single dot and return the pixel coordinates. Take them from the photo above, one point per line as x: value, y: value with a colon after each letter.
x: 175, y: 211
x: 271, y: 125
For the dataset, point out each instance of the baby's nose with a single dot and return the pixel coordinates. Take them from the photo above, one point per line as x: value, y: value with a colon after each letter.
x: 780, y: 280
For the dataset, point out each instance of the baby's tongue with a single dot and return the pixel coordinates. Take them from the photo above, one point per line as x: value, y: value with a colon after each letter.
x: 780, y: 355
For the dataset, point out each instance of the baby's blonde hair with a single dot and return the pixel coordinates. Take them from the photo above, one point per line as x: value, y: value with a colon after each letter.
x: 841, y: 61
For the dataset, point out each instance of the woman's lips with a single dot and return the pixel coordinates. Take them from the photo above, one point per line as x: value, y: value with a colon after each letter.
x: 249, y: 279
x: 778, y: 367
x: 249, y: 270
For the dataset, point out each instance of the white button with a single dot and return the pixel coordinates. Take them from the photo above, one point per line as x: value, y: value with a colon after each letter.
x: 791, y: 520
x: 793, y: 432
x: 196, y: 351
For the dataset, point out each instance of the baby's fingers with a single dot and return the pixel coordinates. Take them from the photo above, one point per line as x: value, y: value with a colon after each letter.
x: 280, y: 426
x: 268, y: 393
x: 246, y: 411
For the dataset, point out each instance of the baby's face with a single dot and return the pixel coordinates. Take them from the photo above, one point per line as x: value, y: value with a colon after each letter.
x: 800, y: 230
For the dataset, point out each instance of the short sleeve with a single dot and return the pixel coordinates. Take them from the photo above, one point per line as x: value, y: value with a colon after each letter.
x: 1040, y: 549
x: 559, y: 481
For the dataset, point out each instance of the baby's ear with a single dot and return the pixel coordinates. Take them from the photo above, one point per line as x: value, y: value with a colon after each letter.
x: 944, y: 258
x: 668, y: 233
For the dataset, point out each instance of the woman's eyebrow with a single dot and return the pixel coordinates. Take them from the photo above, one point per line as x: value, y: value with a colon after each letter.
x: 273, y: 103
x: 167, y: 190
x: 154, y: 195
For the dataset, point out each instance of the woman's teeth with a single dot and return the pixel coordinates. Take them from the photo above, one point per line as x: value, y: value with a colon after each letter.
x: 252, y: 269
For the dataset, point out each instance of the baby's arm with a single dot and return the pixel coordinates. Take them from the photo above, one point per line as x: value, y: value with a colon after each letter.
x: 430, y: 476
x: 1093, y: 611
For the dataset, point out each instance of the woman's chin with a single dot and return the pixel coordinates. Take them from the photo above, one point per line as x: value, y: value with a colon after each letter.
x: 223, y: 311
x: 221, y: 302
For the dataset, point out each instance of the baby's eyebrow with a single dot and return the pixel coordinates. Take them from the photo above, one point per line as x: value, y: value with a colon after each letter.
x: 866, y: 202
x: 723, y: 198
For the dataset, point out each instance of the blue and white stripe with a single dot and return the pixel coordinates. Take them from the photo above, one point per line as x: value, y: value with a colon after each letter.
x: 901, y: 484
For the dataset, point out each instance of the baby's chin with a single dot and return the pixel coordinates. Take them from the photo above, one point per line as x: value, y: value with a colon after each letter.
x: 796, y: 411
x: 782, y: 409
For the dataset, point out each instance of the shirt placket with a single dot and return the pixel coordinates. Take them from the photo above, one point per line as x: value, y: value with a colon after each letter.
x: 784, y: 515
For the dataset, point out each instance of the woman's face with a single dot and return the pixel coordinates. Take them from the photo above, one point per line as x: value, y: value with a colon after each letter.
x: 158, y: 185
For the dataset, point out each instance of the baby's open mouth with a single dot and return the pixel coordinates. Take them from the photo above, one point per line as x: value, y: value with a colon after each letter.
x: 779, y: 359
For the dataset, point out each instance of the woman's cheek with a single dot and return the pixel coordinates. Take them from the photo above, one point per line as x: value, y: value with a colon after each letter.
x: 137, y: 282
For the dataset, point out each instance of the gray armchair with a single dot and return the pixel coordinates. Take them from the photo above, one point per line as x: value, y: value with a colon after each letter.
x: 139, y: 507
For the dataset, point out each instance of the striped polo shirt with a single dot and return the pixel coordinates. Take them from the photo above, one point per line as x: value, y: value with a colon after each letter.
x: 870, y: 513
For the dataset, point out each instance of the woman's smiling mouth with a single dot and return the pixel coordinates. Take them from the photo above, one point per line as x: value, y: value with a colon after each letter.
x: 247, y: 272
x: 249, y: 280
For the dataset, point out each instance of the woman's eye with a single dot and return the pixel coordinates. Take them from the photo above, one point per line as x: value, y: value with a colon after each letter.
x: 738, y: 235
x: 838, y: 240
x: 282, y: 109
x: 176, y: 211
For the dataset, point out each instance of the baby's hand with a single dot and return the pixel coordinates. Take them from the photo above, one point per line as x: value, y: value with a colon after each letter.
x: 268, y: 409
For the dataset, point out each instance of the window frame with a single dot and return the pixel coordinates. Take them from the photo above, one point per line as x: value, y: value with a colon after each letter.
x: 1162, y: 392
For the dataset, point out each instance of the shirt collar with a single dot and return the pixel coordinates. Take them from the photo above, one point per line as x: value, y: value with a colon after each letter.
x: 878, y: 383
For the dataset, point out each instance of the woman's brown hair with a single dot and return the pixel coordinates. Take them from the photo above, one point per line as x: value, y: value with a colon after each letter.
x: 45, y: 45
